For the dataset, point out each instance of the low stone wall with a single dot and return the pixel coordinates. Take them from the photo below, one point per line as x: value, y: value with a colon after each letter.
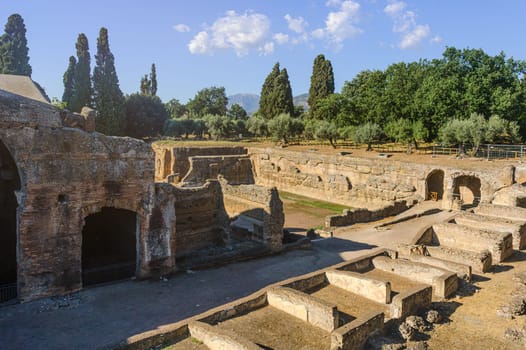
x: 262, y: 205
x: 236, y: 169
x: 354, y: 335
x: 499, y: 224
x: 409, y: 302
x: 201, y: 220
x: 171, y: 160
x: 353, y: 216
x: 420, y: 253
x: 217, y: 338
x: 499, y: 244
x: 501, y: 211
x: 317, y: 312
x: 480, y: 261
x: 444, y: 282
x: 378, y: 291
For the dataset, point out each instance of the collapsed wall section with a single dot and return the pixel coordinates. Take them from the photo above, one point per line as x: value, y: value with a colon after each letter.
x: 170, y: 160
x: 261, y: 207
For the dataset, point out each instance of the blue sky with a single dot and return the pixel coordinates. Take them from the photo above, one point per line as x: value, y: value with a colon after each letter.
x: 234, y: 43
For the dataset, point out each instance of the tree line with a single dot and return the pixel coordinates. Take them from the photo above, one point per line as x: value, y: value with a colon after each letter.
x: 466, y: 96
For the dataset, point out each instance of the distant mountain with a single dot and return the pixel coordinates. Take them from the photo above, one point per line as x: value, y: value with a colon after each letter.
x: 250, y: 102
x: 301, y: 100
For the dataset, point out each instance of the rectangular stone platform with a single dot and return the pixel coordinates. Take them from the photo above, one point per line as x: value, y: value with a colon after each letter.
x: 499, y: 244
x: 378, y: 291
x: 496, y: 223
x: 444, y: 282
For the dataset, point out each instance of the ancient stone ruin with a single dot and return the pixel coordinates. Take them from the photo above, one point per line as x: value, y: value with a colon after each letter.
x: 80, y: 208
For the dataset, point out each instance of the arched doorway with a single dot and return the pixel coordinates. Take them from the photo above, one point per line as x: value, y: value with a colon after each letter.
x: 467, y: 189
x: 9, y: 183
x: 109, y: 250
x: 435, y: 185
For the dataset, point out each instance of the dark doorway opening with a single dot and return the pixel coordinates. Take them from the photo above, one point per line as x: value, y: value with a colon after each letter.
x: 435, y: 185
x: 109, y: 246
x: 467, y: 189
x: 9, y: 183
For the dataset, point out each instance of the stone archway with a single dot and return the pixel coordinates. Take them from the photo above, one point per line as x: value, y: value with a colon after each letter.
x: 435, y: 185
x: 109, y: 246
x: 467, y: 189
x: 9, y: 183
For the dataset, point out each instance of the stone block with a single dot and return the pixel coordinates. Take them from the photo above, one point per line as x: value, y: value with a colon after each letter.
x: 219, y: 339
x: 353, y: 335
x: 409, y: 302
x: 499, y: 244
x: 498, y: 223
x: 378, y: 291
x: 444, y: 282
x: 317, y: 312
x: 480, y: 261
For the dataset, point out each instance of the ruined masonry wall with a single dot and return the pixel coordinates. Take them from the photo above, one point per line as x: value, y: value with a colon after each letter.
x: 67, y: 174
x: 362, y: 182
x: 175, y: 160
x: 260, y: 203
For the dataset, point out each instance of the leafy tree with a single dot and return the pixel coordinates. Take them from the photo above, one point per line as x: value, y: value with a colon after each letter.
x: 208, y: 101
x: 14, y: 57
x: 332, y: 108
x: 283, y: 102
x: 406, y: 131
x: 367, y: 133
x: 500, y: 130
x: 146, y: 85
x: 257, y: 126
x: 237, y: 112
x: 283, y: 127
x: 173, y: 128
x: 82, y: 87
x: 321, y: 83
x: 69, y: 82
x: 108, y: 97
x: 146, y: 116
x: 175, y: 108
x: 149, y: 84
x: 326, y: 130
x: 267, y: 98
x: 219, y: 126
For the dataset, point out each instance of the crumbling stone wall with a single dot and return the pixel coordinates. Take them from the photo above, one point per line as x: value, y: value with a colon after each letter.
x: 237, y: 169
x: 171, y: 160
x: 364, y: 182
x: 67, y: 174
x: 260, y: 203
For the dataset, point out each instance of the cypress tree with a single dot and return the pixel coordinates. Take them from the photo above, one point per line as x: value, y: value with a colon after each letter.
x: 153, y: 81
x: 108, y: 97
x: 321, y: 81
x: 267, y: 92
x: 82, y: 87
x: 69, y: 82
x: 283, y: 102
x: 14, y: 57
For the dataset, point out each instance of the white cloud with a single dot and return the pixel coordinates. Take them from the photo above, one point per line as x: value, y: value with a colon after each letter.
x: 413, y: 37
x: 240, y: 32
x: 281, y: 38
x: 437, y: 39
x: 266, y: 49
x: 404, y: 22
x: 182, y: 28
x: 297, y: 25
x: 340, y: 25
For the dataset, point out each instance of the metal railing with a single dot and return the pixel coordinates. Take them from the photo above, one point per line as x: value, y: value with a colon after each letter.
x: 8, y: 292
x: 488, y: 151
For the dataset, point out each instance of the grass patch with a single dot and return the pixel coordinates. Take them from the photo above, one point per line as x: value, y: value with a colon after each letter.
x: 310, y: 202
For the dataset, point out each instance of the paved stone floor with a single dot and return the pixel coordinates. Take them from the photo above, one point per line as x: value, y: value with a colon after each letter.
x: 102, y: 315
